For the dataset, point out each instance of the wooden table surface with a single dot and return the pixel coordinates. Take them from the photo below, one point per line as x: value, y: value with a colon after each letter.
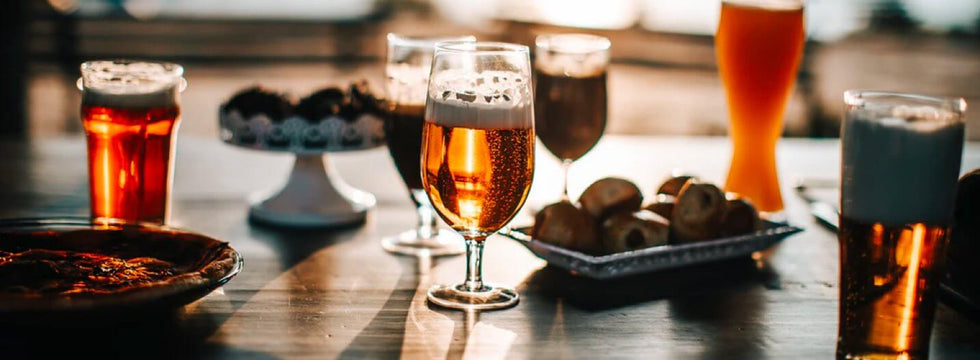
x: 322, y: 294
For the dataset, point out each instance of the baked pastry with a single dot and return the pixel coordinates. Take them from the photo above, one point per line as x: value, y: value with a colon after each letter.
x: 698, y: 212
x: 610, y: 195
x: 257, y: 100
x: 565, y: 225
x: 628, y: 231
x: 674, y: 185
x: 740, y: 217
x: 662, y: 205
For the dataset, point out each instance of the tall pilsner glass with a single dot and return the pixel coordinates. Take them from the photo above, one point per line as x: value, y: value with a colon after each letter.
x: 130, y: 111
x: 407, y: 76
x: 570, y: 95
x: 900, y: 160
x: 478, y: 154
x: 758, y: 45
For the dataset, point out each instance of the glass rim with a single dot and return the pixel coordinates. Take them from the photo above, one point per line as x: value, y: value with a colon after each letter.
x: 547, y: 42
x: 402, y: 40
x: 173, y: 70
x: 173, y: 73
x: 861, y: 97
x: 786, y: 5
x: 480, y: 47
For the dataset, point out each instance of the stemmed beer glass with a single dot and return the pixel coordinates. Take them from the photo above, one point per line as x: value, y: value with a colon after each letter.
x: 478, y: 154
x: 570, y: 95
x: 407, y: 66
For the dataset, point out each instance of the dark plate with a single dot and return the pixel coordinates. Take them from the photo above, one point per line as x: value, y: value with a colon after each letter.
x: 654, y: 258
x: 202, y: 264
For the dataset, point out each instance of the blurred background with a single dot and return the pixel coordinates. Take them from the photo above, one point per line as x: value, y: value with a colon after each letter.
x: 663, y: 79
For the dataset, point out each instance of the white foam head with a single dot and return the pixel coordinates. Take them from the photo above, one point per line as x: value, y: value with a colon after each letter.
x: 409, y: 60
x: 573, y: 55
x: 900, y: 158
x: 123, y: 83
x: 482, y: 100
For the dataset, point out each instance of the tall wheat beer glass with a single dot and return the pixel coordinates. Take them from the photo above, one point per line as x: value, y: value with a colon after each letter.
x: 758, y: 45
x: 478, y: 154
x: 130, y: 111
x: 900, y: 160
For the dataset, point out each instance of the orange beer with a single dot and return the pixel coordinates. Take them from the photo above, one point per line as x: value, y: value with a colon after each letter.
x: 130, y: 114
x: 758, y: 48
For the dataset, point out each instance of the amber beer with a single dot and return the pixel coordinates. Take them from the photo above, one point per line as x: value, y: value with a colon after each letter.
x: 901, y: 158
x: 477, y: 174
x: 130, y: 112
x: 758, y: 45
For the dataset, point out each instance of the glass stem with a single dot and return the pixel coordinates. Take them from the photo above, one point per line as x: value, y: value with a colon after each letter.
x: 565, y: 164
x: 474, y: 264
x: 427, y: 226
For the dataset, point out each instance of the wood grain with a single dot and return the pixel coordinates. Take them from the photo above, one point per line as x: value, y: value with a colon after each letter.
x: 323, y: 294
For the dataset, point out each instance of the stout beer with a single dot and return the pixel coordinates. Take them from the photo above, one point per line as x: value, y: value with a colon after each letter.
x: 901, y: 158
x: 403, y: 132
x: 130, y: 113
x: 570, y: 94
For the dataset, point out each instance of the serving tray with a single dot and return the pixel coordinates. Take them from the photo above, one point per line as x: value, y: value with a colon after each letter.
x: 654, y: 258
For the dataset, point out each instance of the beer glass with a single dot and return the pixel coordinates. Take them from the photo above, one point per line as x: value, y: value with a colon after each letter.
x: 407, y: 76
x: 570, y: 95
x: 478, y: 154
x: 130, y: 111
x: 758, y: 46
x: 900, y: 160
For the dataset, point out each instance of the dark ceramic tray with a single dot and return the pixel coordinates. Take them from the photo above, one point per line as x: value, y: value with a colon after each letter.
x: 201, y: 264
x: 655, y: 258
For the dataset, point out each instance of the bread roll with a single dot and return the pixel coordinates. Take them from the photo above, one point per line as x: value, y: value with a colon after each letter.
x: 633, y: 231
x: 698, y: 212
x: 674, y: 185
x: 740, y: 218
x: 565, y: 225
x: 610, y: 195
x: 662, y: 205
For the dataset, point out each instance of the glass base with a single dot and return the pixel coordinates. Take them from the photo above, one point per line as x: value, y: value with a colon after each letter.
x: 444, y: 243
x: 491, y: 297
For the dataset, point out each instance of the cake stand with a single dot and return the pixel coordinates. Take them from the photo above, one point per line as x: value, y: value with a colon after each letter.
x: 314, y: 195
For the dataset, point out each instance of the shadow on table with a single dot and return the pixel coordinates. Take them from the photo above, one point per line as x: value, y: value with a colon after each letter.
x: 599, y: 295
x: 718, y: 304
x: 164, y: 335
x: 384, y: 335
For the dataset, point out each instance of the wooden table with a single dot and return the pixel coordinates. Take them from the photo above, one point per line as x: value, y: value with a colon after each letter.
x: 322, y: 294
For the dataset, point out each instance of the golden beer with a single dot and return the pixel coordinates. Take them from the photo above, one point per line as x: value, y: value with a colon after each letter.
x: 888, y: 296
x: 900, y: 160
x: 477, y: 179
x: 478, y: 155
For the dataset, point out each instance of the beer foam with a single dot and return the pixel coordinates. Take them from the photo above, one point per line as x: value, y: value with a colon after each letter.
x: 903, y: 168
x: 573, y: 55
x: 485, y: 100
x: 130, y: 84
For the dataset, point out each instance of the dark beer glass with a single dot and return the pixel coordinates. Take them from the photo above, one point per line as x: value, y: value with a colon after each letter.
x: 407, y: 75
x: 570, y: 95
